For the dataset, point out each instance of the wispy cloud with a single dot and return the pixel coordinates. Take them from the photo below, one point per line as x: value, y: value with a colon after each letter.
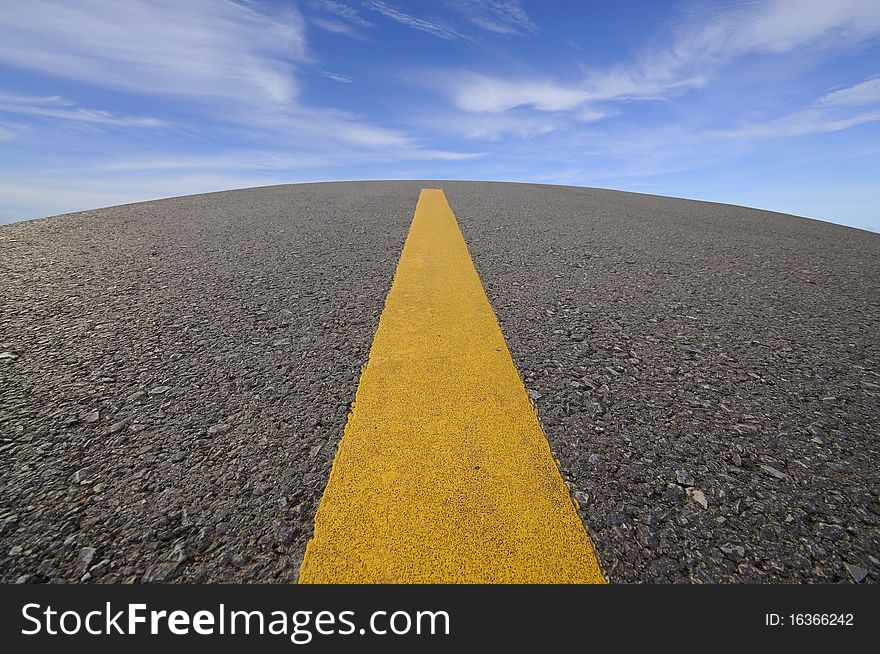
x: 489, y: 94
x: 223, y: 60
x: 808, y: 121
x: 199, y: 48
x: 342, y: 10
x: 59, y: 108
x: 495, y: 127
x: 868, y: 92
x: 591, y: 114
x: 506, y: 17
x: 830, y: 113
x: 338, y: 18
x: 785, y: 25
x: 267, y: 160
x: 421, y: 24
x: 336, y: 77
x: 500, y: 17
x: 688, y: 59
x: 334, y: 26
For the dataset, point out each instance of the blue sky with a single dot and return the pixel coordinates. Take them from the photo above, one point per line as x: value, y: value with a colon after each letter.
x: 773, y: 104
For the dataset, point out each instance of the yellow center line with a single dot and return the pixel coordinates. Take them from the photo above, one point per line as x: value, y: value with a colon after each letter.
x: 443, y: 474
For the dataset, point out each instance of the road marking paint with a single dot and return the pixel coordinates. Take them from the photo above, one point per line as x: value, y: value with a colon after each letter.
x: 443, y: 473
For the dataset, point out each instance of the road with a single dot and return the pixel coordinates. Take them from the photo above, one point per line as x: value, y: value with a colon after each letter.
x: 176, y: 376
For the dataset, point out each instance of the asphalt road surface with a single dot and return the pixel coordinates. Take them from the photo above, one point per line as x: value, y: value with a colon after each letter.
x: 175, y: 377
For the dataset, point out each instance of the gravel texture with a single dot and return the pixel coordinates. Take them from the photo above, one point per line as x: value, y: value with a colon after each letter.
x: 708, y: 376
x: 175, y: 375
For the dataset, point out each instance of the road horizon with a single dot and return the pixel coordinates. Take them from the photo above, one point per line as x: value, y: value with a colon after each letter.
x: 9, y: 220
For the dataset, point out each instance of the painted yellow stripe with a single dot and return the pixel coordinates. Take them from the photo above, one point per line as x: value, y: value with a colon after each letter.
x: 443, y: 473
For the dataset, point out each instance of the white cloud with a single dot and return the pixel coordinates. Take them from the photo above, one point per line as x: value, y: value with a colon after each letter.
x: 443, y: 155
x: 867, y: 92
x: 338, y: 18
x: 336, y: 77
x: 489, y: 94
x: 267, y: 160
x: 224, y: 60
x: 333, y: 26
x: 807, y: 121
x: 199, y: 48
x: 342, y: 10
x: 435, y: 28
x: 830, y: 113
x: 504, y: 17
x: 253, y: 160
x: 490, y: 127
x: 785, y: 25
x: 591, y: 114
x: 264, y: 161
x: 700, y: 45
x: 365, y: 135
x: 499, y: 16
x: 58, y: 107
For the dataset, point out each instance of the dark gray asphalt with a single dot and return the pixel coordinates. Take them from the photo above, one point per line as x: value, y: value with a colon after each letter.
x: 683, y: 348
x: 252, y: 309
x: 680, y: 354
